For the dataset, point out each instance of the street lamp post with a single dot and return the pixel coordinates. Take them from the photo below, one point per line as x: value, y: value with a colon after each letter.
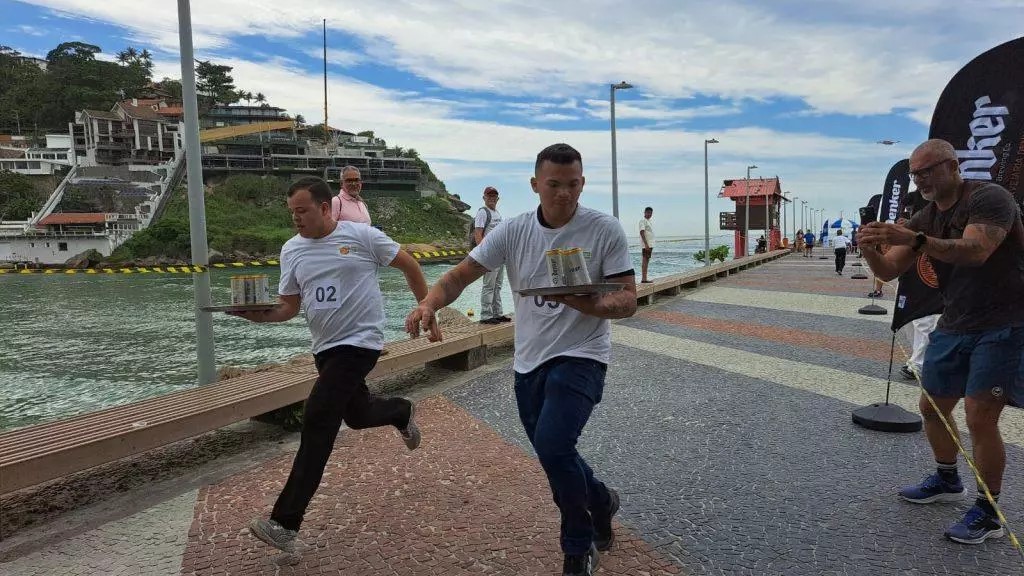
x: 615, y: 171
x: 803, y: 215
x: 207, y: 368
x: 795, y: 198
x: 707, y: 222
x: 767, y: 219
x: 746, y: 218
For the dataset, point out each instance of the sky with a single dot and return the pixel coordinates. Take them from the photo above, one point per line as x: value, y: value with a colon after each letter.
x: 803, y: 90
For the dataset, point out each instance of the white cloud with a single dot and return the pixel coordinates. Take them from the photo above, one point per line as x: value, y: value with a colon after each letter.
x: 28, y: 30
x: 342, y: 58
x: 834, y: 57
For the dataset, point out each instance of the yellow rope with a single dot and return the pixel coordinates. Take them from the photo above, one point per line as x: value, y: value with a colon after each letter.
x: 970, y: 462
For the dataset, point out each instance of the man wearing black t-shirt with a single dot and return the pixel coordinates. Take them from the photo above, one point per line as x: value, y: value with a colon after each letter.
x: 972, y: 233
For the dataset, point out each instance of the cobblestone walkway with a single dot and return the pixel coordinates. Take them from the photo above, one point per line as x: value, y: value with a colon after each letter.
x: 725, y: 426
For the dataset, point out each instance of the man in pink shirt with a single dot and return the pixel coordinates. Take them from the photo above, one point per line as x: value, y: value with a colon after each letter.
x: 348, y: 205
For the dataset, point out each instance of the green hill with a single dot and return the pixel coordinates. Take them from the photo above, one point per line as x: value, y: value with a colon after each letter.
x: 248, y: 214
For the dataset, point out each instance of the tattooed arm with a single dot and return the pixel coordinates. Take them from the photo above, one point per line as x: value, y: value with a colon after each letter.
x: 447, y: 289
x: 978, y: 243
x: 621, y: 304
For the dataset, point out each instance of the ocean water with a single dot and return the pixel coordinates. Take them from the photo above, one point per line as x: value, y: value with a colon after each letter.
x: 74, y: 343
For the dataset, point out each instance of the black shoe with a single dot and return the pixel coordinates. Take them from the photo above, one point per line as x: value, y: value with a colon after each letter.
x: 583, y: 565
x: 494, y: 320
x: 647, y: 282
x: 907, y: 373
x: 603, y: 534
x: 504, y: 319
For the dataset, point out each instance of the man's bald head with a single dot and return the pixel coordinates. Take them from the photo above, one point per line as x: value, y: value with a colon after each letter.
x: 935, y: 150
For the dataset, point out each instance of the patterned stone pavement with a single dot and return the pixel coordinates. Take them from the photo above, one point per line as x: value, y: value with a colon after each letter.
x: 725, y: 426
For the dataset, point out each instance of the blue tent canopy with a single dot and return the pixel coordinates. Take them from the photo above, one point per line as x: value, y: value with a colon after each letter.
x: 841, y: 223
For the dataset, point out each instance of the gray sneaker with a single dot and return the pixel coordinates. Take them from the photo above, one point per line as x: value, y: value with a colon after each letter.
x: 273, y: 534
x: 411, y: 432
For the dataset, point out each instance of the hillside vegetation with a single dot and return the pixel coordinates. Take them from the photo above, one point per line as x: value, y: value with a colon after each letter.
x: 247, y: 214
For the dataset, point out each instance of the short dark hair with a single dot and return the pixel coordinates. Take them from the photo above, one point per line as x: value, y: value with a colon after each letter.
x: 317, y: 187
x: 558, y: 154
x: 648, y: 209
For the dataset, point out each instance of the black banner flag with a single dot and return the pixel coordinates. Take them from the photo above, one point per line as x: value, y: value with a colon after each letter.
x: 895, y: 188
x: 981, y: 113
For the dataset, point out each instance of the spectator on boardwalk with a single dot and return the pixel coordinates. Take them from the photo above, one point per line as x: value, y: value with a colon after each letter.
x: 853, y: 241
x: 348, y: 204
x: 839, y: 245
x: 808, y: 243
x: 972, y: 233
x: 877, y: 283
x: 562, y: 343
x: 647, y: 239
x: 798, y: 243
x: 762, y: 245
x: 487, y: 218
x: 331, y: 268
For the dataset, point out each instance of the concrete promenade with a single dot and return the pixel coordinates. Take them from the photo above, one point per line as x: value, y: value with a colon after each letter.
x: 725, y: 426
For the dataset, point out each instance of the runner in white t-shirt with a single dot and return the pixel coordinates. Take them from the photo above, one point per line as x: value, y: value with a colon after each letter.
x: 330, y: 269
x: 562, y: 344
x: 840, y: 244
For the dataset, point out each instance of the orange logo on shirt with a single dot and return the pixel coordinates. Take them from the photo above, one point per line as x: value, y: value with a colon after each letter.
x: 926, y: 272
x: 344, y: 250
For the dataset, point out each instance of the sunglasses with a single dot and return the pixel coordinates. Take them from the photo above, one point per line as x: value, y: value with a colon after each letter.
x: 926, y: 172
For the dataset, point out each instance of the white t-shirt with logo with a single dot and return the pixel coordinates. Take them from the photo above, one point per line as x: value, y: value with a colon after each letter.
x: 648, y: 230
x: 481, y: 219
x: 840, y: 242
x: 545, y: 330
x: 336, y: 276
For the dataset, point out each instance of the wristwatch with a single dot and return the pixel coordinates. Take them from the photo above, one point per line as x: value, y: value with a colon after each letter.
x: 919, y: 241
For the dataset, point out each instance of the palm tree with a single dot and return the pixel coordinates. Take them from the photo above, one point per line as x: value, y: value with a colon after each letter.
x: 247, y: 96
x: 261, y: 99
x: 299, y: 119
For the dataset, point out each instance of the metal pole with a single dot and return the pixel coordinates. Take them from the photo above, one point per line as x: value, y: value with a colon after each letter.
x: 207, y: 368
x: 767, y: 218
x: 615, y: 173
x: 782, y: 228
x: 326, y: 130
x: 707, y: 222
x: 746, y: 218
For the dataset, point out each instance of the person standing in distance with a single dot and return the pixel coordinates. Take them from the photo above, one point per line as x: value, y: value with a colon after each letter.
x: 562, y: 343
x: 331, y: 267
x: 487, y: 218
x: 647, y: 239
x: 349, y: 204
x: 839, y: 245
x: 973, y: 235
x: 808, y: 243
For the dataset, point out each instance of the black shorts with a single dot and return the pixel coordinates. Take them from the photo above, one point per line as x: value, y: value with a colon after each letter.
x: 647, y: 252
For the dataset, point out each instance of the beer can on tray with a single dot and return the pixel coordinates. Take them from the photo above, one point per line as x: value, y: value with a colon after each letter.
x: 555, y: 269
x: 262, y: 289
x: 237, y: 290
x: 575, y: 266
x: 250, y: 290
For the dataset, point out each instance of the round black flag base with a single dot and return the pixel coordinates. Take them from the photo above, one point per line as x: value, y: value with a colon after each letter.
x: 886, y: 418
x: 873, y: 310
x: 859, y: 276
x: 856, y: 264
x: 822, y: 257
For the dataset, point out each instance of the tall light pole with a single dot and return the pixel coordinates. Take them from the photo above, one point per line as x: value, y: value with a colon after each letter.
x: 746, y: 218
x: 767, y: 219
x: 615, y: 169
x: 803, y: 212
x: 795, y: 198
x: 707, y: 222
x: 207, y: 368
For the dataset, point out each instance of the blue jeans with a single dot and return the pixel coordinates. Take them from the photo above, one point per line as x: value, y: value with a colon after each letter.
x: 988, y: 364
x: 555, y: 401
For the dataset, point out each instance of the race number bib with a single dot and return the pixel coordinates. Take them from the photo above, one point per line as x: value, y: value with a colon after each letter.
x: 326, y: 294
